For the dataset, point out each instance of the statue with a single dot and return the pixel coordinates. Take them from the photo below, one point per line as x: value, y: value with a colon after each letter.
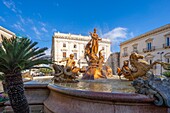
x: 96, y: 68
x: 67, y: 73
x: 139, y: 68
x: 101, y: 58
x: 126, y: 71
x: 69, y: 61
x: 95, y: 43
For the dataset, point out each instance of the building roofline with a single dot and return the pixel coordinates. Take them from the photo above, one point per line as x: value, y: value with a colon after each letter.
x: 167, y: 26
x: 7, y: 31
x: 67, y: 35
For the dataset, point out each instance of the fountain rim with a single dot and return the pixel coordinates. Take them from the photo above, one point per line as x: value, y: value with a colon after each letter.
x: 101, y: 96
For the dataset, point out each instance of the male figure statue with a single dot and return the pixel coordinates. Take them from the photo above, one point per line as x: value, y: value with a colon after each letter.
x: 69, y: 61
x: 95, y: 44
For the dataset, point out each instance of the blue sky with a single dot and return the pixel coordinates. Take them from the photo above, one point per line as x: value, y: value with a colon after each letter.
x: 117, y: 20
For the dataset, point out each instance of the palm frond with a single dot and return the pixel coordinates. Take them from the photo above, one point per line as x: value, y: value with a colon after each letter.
x: 17, y: 54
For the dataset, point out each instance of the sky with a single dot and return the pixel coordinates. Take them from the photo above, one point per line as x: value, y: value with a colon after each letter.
x: 117, y: 20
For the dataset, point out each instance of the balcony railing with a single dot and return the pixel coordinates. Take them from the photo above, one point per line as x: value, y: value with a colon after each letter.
x: 149, y: 49
x: 124, y: 54
x: 166, y: 45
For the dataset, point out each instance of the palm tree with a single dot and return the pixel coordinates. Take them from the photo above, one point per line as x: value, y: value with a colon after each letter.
x: 17, y: 54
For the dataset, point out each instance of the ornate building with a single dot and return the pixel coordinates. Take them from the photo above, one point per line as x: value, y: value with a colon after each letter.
x: 153, y: 45
x: 65, y: 44
x: 5, y: 33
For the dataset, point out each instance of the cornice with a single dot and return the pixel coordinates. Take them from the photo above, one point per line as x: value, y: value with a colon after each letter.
x: 7, y: 31
x: 78, y: 38
x: 157, y: 30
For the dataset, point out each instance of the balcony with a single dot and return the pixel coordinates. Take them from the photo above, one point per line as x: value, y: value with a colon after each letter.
x: 124, y: 54
x: 166, y: 45
x: 145, y: 50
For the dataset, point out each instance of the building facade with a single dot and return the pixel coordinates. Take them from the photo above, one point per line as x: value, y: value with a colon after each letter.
x: 153, y: 45
x: 65, y: 44
x: 6, y: 33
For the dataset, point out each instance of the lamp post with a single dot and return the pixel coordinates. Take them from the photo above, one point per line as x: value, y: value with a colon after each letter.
x: 161, y: 60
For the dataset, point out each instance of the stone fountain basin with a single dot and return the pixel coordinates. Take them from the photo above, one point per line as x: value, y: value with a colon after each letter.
x: 98, y: 96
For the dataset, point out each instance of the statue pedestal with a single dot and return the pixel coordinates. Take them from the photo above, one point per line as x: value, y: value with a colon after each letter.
x: 93, y: 72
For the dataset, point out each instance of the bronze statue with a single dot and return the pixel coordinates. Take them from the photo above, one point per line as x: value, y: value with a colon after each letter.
x: 69, y: 61
x: 95, y: 44
x: 67, y: 73
x: 96, y: 68
x: 139, y: 67
x: 126, y: 71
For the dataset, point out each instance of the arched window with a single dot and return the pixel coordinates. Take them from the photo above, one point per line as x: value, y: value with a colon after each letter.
x: 75, y: 46
x: 64, y: 44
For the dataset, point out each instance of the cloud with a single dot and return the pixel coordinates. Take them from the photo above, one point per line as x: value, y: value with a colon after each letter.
x: 54, y: 30
x: 21, y: 19
x: 18, y: 26
x: 2, y: 19
x: 30, y: 21
x: 36, y: 31
x: 44, y: 29
x: 10, y: 4
x: 42, y: 24
x: 117, y: 35
x: 48, y: 51
x: 118, y: 32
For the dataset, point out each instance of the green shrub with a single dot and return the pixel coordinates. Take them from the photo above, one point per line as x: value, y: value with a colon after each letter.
x: 166, y: 73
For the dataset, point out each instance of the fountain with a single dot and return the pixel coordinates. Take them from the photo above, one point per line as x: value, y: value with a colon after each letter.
x: 94, y: 93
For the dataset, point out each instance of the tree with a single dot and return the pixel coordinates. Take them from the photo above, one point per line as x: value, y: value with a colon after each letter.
x: 17, y: 54
x: 46, y: 71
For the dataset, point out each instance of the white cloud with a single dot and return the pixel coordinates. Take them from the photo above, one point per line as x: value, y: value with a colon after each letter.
x: 54, y: 30
x: 21, y: 19
x: 2, y: 19
x: 10, y: 4
x: 118, y: 35
x: 48, y: 51
x: 36, y: 31
x: 30, y: 21
x: 44, y: 29
x: 118, y: 32
x: 18, y: 26
x: 42, y: 24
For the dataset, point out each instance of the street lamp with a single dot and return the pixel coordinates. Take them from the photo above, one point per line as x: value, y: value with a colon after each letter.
x: 161, y: 60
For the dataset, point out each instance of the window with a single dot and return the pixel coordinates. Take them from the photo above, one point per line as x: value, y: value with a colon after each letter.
x: 150, y: 61
x: 75, y: 46
x: 64, y: 54
x: 64, y: 44
x: 149, y: 46
x: 75, y: 55
x: 125, y: 51
x: 168, y: 60
x: 168, y: 41
x: 135, y: 49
